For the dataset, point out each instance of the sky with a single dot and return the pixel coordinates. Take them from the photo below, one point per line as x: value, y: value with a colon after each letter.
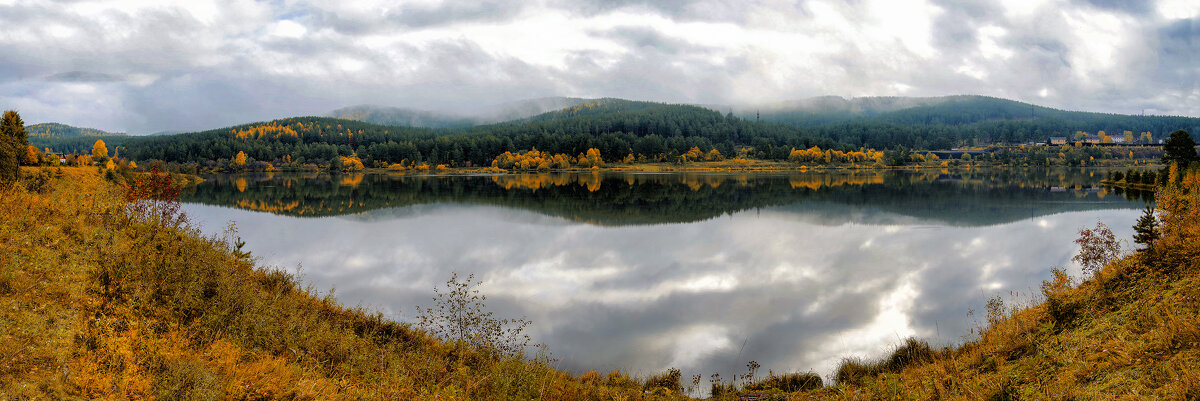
x: 146, y: 66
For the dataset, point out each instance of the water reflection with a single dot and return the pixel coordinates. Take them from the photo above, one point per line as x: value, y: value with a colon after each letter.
x: 793, y: 274
x: 974, y: 198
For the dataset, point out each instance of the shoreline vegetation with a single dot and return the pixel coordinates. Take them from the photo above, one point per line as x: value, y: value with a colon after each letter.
x: 749, y: 165
x: 106, y: 292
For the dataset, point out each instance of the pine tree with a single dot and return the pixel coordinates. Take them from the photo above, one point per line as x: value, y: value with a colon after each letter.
x: 12, y: 144
x: 1146, y: 229
x: 1179, y: 148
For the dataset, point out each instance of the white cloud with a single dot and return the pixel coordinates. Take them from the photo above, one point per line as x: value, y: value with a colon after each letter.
x: 288, y: 29
x: 448, y: 54
x: 1178, y: 9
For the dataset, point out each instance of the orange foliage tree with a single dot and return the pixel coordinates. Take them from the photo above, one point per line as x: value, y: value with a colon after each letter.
x: 591, y: 158
x: 352, y: 163
x: 153, y: 197
x: 99, y: 150
x: 532, y: 160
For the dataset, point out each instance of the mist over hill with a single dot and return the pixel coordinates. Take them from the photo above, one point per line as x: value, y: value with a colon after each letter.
x: 410, y: 117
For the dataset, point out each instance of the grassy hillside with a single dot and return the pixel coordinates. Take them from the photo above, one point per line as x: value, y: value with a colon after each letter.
x: 1128, y: 331
x: 101, y: 298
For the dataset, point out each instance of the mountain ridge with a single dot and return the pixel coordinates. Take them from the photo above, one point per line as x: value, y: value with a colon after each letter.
x: 60, y: 130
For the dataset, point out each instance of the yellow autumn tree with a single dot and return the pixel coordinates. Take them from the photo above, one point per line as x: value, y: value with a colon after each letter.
x: 591, y: 158
x: 99, y: 150
x: 352, y: 163
x: 32, y: 156
x: 693, y: 154
x: 240, y: 159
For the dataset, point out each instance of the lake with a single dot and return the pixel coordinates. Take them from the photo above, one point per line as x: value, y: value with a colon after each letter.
x: 701, y: 272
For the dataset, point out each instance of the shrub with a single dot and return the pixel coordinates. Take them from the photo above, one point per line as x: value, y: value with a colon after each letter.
x: 913, y: 351
x: 591, y: 377
x: 1097, y: 247
x: 186, y: 379
x: 791, y: 382
x: 37, y: 182
x: 670, y: 380
x: 1061, y: 309
x: 459, y: 316
x: 854, y: 370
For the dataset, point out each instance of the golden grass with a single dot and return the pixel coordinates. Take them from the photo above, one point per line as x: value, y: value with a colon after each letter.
x: 1130, y: 332
x: 98, y: 304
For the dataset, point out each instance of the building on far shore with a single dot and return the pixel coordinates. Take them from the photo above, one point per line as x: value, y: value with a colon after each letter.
x: 1058, y: 140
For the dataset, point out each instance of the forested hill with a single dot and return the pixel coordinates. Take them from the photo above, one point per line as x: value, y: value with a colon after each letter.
x: 56, y: 130
x: 402, y: 117
x: 943, y: 122
x: 65, y: 138
x: 621, y: 127
x: 616, y: 127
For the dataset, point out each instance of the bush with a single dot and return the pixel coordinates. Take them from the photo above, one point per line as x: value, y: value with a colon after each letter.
x: 789, y: 383
x: 670, y: 380
x: 459, y: 317
x: 1061, y: 309
x: 911, y: 352
x: 186, y: 379
x: 854, y: 370
x: 37, y: 182
x: 1097, y: 247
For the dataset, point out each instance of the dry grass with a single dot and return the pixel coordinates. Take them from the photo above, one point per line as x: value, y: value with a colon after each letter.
x: 98, y: 304
x: 1129, y: 332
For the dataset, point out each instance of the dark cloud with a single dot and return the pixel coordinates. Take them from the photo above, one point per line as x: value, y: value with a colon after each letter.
x: 84, y: 76
x: 647, y: 38
x: 1124, y: 6
x: 457, y: 13
x: 670, y: 8
x: 955, y: 30
x: 412, y: 16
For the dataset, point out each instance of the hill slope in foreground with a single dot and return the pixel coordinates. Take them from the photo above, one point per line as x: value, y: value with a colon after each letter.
x: 98, y: 300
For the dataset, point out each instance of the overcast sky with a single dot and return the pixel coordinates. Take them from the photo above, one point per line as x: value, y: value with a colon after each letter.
x: 151, y: 65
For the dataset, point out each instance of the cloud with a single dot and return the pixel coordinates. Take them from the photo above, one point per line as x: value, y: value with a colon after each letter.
x: 199, y: 64
x: 84, y: 76
x: 799, y: 295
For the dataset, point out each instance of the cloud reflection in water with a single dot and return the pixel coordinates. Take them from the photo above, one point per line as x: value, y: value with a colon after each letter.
x: 769, y: 285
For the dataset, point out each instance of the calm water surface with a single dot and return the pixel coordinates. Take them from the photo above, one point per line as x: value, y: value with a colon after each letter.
x: 702, y: 272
